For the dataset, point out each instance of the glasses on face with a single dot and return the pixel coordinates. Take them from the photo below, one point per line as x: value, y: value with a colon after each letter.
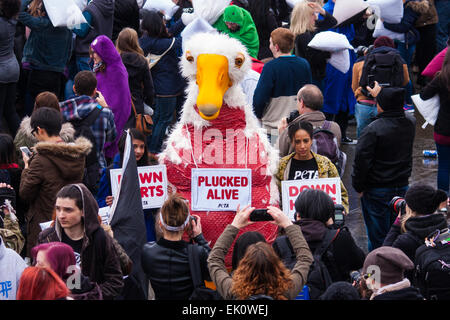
x: 33, y: 131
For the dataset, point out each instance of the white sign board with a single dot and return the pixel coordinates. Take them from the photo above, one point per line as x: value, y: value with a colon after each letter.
x: 220, y: 189
x: 290, y: 190
x: 153, y: 184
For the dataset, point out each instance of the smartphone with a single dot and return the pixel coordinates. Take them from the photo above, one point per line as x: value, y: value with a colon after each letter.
x: 193, y: 218
x: 26, y: 151
x: 371, y: 79
x: 260, y: 215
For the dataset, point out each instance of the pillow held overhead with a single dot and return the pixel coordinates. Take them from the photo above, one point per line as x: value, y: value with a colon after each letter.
x: 64, y: 13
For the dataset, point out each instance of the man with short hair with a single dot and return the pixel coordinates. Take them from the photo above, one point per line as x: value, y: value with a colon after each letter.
x: 53, y: 165
x: 309, y: 103
x: 86, y: 101
x: 383, y: 161
x: 276, y: 93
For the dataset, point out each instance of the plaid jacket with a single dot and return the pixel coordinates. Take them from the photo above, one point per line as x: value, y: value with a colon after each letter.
x: 103, y: 129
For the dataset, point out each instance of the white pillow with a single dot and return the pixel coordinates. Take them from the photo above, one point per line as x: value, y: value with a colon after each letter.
x: 82, y: 4
x: 64, y: 13
x: 428, y: 108
x: 329, y: 41
x: 292, y: 3
x: 380, y: 30
x: 340, y: 60
x: 346, y: 9
x: 210, y: 10
x: 166, y: 6
x: 196, y: 26
x: 389, y: 10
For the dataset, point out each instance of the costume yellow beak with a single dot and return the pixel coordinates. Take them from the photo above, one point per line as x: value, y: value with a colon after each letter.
x: 213, y: 81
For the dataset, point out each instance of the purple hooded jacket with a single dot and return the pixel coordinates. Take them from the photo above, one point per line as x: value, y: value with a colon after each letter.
x: 113, y: 84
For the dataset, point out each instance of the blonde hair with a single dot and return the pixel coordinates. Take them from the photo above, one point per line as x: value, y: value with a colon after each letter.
x: 409, y: 214
x: 301, y: 18
x: 128, y: 41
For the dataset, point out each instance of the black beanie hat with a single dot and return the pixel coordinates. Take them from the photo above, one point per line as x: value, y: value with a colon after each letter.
x: 424, y: 199
x: 391, y: 99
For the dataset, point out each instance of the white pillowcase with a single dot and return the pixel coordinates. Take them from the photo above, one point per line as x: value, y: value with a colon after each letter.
x: 346, y: 9
x: 329, y: 41
x: 210, y: 10
x: 380, y: 30
x: 167, y: 6
x: 389, y: 10
x: 64, y: 13
x: 429, y: 109
x: 340, y: 60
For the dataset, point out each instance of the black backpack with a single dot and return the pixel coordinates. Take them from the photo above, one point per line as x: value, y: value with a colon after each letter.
x: 319, y: 278
x: 386, y: 67
x: 432, y: 269
x: 325, y: 144
x: 201, y: 292
x: 92, y: 167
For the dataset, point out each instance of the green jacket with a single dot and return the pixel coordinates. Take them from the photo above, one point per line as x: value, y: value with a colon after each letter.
x: 247, y: 34
x: 326, y: 169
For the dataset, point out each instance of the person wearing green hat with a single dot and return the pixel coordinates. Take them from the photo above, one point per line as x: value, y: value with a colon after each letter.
x: 238, y: 23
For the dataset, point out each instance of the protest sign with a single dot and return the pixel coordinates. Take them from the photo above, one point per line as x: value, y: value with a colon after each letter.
x: 290, y: 190
x: 220, y: 189
x: 153, y: 184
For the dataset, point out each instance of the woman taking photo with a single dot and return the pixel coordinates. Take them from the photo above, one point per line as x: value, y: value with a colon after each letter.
x: 169, y: 85
x: 440, y: 85
x: 305, y: 164
x: 139, y: 76
x: 305, y: 25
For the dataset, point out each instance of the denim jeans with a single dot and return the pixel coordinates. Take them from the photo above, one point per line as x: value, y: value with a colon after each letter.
x: 363, y: 115
x: 378, y: 217
x: 81, y: 64
x: 163, y: 116
x: 443, y: 167
x: 407, y: 55
x: 443, y: 26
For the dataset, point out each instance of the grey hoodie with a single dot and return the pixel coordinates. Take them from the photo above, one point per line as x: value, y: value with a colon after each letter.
x: 11, y: 268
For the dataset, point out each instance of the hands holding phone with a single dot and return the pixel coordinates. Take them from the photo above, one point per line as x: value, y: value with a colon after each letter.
x: 242, y: 220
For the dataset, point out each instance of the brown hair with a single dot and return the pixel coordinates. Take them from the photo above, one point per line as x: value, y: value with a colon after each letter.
x: 261, y: 272
x: 91, y: 53
x: 127, y: 41
x: 284, y: 38
x: 46, y: 99
x: 36, y: 8
x: 175, y: 210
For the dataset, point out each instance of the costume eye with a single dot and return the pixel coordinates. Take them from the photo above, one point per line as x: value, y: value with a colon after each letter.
x: 239, y: 60
x: 189, y: 56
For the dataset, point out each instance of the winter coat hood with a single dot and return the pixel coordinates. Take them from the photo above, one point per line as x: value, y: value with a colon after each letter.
x: 313, y: 230
x: 134, y: 63
x: 418, y: 6
x: 423, y: 226
x: 106, y: 7
x: 66, y: 156
x: 105, y: 48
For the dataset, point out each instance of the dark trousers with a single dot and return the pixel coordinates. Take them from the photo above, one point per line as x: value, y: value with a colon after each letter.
x: 443, y: 175
x: 8, y: 114
x: 40, y: 81
x: 426, y: 47
x: 341, y: 119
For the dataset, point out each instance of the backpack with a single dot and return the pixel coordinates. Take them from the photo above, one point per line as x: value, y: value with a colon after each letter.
x: 385, y: 67
x: 432, y: 268
x: 325, y: 144
x: 153, y: 59
x: 92, y: 167
x: 319, y: 278
x: 201, y: 292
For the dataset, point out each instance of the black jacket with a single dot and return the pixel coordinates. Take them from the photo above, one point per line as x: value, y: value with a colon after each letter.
x: 317, y: 59
x: 409, y: 293
x: 126, y: 14
x: 437, y: 86
x: 417, y: 229
x: 346, y: 254
x: 139, y: 79
x: 383, y: 155
x: 166, y: 265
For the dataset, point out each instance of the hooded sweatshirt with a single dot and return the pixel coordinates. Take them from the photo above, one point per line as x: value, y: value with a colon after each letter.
x: 102, y: 18
x: 12, y: 266
x: 113, y: 84
x: 99, y: 259
x: 53, y: 166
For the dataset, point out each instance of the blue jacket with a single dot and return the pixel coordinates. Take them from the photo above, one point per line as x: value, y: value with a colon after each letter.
x: 167, y: 79
x: 47, y: 48
x: 406, y: 25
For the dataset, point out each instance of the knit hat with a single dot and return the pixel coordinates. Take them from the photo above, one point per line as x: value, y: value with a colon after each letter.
x: 424, y: 199
x: 340, y: 290
x: 391, y: 262
x: 383, y: 41
x: 391, y: 99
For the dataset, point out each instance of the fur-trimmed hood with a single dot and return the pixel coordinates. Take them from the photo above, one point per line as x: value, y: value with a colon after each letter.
x: 421, y: 6
x: 69, y: 158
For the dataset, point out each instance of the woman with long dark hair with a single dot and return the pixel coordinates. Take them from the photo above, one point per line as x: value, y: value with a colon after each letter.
x: 9, y: 67
x: 440, y: 85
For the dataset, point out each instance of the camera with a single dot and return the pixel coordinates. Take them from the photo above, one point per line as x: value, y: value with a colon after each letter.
x: 355, y: 276
x: 260, y: 215
x: 398, y: 205
x: 339, y: 218
x: 193, y: 218
x: 363, y: 50
x: 292, y: 116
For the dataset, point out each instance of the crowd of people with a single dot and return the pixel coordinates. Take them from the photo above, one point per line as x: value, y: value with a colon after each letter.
x: 70, y: 97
